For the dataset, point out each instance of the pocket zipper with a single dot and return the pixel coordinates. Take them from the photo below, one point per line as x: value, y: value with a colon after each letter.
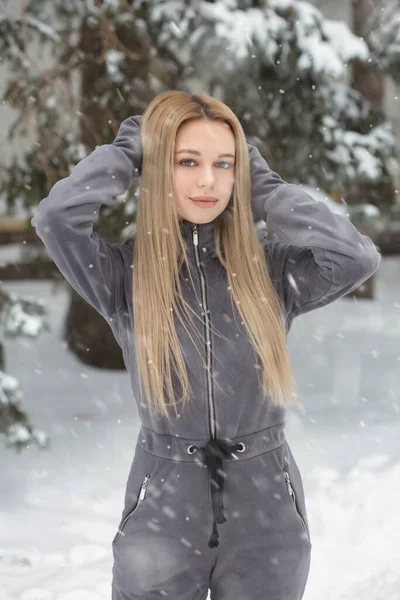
x: 128, y: 516
x: 291, y: 493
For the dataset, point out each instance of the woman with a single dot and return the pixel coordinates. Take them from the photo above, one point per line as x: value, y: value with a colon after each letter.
x: 212, y: 449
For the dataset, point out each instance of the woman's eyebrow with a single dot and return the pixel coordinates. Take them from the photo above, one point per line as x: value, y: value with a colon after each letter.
x: 190, y: 151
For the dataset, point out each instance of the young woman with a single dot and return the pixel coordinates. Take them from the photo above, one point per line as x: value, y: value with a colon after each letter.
x: 201, y: 305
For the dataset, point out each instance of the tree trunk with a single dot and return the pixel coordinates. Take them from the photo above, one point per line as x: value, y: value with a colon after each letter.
x: 371, y: 84
x: 90, y: 337
x: 87, y: 333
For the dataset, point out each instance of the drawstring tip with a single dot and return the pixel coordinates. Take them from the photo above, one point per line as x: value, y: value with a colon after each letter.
x: 214, y: 543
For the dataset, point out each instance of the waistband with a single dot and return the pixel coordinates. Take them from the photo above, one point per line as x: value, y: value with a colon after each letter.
x: 212, y: 453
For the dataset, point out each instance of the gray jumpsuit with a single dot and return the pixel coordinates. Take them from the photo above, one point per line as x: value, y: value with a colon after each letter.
x: 214, y: 501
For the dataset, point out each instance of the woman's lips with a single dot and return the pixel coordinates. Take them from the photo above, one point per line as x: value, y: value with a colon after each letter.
x: 204, y: 203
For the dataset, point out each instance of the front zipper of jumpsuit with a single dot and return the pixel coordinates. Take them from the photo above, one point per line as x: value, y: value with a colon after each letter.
x: 208, y: 337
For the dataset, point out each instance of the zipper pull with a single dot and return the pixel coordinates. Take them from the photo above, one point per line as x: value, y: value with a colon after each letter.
x: 195, y: 235
x: 288, y: 482
x: 144, y: 486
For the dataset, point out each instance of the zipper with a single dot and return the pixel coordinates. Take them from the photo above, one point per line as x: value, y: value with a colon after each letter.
x: 128, y: 516
x: 208, y: 337
x: 293, y: 495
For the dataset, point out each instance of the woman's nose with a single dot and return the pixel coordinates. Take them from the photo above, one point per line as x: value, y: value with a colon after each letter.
x: 206, y: 177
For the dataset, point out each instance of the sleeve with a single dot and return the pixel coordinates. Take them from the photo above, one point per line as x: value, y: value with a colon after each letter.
x: 64, y: 220
x: 322, y: 255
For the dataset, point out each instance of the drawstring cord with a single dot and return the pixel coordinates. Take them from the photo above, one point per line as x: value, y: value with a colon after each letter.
x: 213, y: 455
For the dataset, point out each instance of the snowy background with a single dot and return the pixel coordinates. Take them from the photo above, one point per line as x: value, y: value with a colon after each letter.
x: 60, y: 508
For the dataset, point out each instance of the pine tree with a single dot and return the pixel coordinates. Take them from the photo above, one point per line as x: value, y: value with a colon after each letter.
x: 28, y: 318
x: 383, y: 38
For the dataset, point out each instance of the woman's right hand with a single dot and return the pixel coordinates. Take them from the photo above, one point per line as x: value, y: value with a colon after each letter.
x: 130, y: 141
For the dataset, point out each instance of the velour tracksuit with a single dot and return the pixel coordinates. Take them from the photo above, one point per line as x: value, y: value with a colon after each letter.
x: 214, y: 500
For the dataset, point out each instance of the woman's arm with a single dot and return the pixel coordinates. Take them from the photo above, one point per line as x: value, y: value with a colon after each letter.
x: 64, y: 219
x: 322, y: 255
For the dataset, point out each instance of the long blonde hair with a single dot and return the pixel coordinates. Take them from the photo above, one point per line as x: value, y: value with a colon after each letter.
x: 160, y: 250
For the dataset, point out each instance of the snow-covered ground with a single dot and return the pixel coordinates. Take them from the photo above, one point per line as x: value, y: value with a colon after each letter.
x: 59, y: 509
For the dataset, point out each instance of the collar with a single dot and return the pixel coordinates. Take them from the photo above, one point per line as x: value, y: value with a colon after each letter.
x: 205, y: 236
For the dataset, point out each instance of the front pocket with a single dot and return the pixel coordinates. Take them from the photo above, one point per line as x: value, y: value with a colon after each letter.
x: 293, y: 496
x: 142, y: 494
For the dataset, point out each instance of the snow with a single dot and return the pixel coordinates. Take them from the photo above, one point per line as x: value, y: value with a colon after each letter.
x: 60, y: 507
x: 113, y: 60
x: 44, y: 28
x: 319, y: 56
x: 346, y: 44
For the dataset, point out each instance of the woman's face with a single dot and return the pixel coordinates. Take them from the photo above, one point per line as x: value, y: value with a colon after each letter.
x: 204, y: 166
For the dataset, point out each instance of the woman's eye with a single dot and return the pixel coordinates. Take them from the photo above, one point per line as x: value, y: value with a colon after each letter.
x: 220, y: 163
